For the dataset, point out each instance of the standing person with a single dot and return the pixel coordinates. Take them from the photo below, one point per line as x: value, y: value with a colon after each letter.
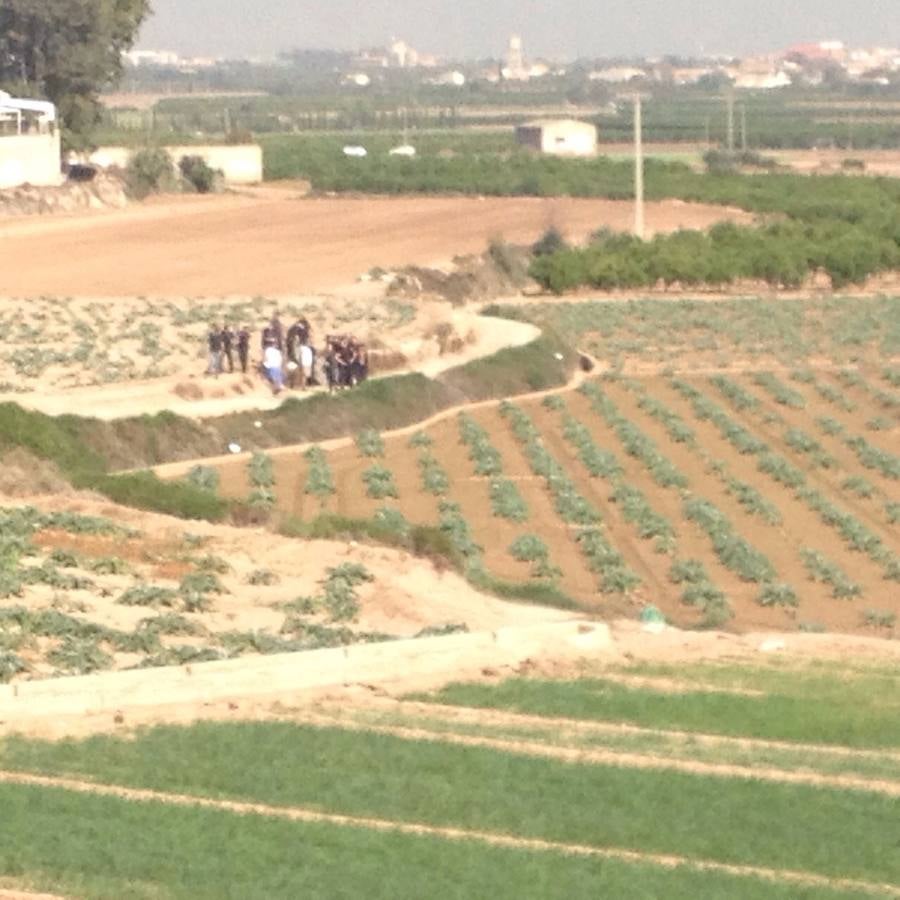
x: 273, y: 362
x: 243, y: 347
x: 214, y: 346
x: 362, y: 363
x: 228, y: 345
x: 277, y: 331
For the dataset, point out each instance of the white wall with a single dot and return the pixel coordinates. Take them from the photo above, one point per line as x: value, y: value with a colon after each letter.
x: 30, y: 159
x: 240, y: 164
x: 567, y: 140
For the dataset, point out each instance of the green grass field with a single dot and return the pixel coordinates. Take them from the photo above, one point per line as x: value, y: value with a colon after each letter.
x: 604, y: 821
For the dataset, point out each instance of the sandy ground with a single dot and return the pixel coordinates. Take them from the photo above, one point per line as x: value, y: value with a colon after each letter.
x: 406, y: 593
x: 276, y: 242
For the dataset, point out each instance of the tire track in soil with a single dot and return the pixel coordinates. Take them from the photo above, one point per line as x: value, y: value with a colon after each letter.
x: 449, y: 833
x: 780, y: 543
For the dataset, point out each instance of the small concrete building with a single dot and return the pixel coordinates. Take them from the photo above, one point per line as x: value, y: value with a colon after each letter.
x: 559, y: 137
x: 29, y: 143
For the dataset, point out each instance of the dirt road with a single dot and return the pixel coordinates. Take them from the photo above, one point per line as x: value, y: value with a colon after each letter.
x: 275, y: 242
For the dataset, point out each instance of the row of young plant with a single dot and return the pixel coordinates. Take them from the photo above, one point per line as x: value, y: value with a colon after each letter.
x: 574, y: 509
x: 697, y: 588
x: 633, y: 503
x: 750, y: 499
x: 506, y: 500
x: 805, y: 444
x: 527, y: 547
x: 378, y: 478
x: 733, y: 551
x: 855, y: 534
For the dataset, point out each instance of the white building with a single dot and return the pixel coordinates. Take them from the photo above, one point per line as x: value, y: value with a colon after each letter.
x: 559, y: 137
x: 29, y: 143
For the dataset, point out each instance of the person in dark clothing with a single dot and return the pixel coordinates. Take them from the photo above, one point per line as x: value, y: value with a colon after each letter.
x: 214, y: 346
x: 277, y: 331
x: 243, y: 347
x: 361, y: 363
x: 227, y: 346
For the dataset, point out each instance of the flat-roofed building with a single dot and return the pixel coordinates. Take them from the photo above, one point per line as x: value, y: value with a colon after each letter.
x: 559, y: 137
x: 29, y: 143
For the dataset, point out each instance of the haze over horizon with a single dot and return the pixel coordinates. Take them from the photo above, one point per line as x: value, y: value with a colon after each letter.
x: 471, y: 28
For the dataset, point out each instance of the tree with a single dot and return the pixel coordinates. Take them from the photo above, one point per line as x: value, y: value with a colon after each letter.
x: 67, y: 51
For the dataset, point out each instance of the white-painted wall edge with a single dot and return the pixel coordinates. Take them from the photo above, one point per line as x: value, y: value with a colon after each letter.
x: 436, y: 660
x: 33, y: 159
x: 239, y: 164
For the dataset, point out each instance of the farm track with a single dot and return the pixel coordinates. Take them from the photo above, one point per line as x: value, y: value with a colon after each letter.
x: 489, y: 838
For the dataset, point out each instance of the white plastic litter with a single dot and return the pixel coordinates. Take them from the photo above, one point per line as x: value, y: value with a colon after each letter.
x: 358, y: 152
x: 234, y: 448
x: 257, y: 424
x: 403, y: 150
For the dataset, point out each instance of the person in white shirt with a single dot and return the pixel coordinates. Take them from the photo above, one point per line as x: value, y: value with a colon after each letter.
x: 273, y: 362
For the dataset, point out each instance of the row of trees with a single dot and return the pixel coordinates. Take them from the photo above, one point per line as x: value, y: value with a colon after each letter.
x: 66, y: 51
x: 782, y: 254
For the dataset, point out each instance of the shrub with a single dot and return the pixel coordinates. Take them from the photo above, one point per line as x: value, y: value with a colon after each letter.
x: 204, y: 477
x: 149, y: 171
x: 198, y: 174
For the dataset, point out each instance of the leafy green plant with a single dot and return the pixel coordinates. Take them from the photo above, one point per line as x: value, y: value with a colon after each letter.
x: 319, y: 479
x: 204, y: 477
x: 506, y: 501
x: 370, y: 443
x: 379, y: 482
x: 148, y: 595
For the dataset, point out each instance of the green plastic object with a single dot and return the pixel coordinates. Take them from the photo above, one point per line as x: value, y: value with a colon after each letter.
x: 650, y: 614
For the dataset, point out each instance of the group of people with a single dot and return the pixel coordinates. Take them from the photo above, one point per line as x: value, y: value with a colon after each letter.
x: 289, y: 358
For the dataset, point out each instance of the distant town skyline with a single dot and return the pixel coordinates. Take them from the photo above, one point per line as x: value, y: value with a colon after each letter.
x: 565, y: 29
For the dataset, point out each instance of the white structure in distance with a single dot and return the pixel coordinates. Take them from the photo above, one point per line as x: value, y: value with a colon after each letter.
x: 29, y: 143
x: 559, y: 137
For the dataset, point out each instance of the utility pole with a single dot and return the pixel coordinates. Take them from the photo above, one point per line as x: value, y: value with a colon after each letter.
x: 638, y: 168
x: 729, y: 101
x: 743, y: 128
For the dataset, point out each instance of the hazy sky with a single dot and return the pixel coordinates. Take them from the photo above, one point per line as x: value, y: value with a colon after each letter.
x: 562, y: 28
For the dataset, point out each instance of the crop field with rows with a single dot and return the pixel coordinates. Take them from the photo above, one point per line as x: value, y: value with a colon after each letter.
x: 767, y: 496
x: 751, y: 780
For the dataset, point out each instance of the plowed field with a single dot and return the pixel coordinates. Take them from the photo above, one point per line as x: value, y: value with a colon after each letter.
x: 768, y: 501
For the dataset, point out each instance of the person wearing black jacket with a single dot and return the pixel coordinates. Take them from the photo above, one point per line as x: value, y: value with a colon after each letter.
x: 214, y: 347
x: 228, y: 345
x: 243, y: 348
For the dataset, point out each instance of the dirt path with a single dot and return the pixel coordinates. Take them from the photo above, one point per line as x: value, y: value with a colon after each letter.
x: 179, y: 469
x: 278, y: 243
x: 489, y: 838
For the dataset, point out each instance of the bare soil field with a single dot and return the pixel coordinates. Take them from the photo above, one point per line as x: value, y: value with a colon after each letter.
x: 274, y: 242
